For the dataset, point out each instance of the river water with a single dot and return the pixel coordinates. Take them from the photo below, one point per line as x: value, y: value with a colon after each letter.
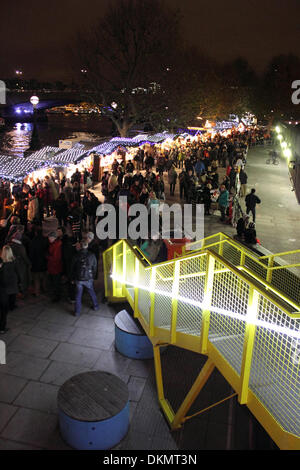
x: 15, y: 139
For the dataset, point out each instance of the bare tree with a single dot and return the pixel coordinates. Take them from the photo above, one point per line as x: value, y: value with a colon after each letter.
x: 126, y: 58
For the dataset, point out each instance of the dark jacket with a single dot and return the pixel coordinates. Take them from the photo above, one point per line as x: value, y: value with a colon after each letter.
x: 38, y: 254
x: 251, y: 200
x: 10, y: 277
x: 84, y: 266
x: 243, y: 177
x: 23, y: 265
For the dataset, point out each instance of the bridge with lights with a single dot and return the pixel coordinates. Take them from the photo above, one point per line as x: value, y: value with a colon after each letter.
x: 18, y: 103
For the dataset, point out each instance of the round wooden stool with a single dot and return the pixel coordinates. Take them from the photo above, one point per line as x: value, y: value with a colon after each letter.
x: 93, y: 410
x: 130, y: 339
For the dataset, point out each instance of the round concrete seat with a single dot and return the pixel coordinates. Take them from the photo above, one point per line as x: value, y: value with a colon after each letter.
x: 130, y: 339
x: 93, y: 410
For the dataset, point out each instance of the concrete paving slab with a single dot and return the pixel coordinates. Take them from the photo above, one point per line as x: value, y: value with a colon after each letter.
x: 10, y: 387
x: 76, y: 354
x: 114, y: 362
x: 32, y: 346
x: 6, y: 413
x: 94, y: 338
x: 59, y: 372
x: 58, y: 315
x: 94, y: 322
x: 136, y: 387
x: 6, y: 444
x: 21, y: 365
x: 53, y: 331
x: 31, y: 427
x: 39, y: 396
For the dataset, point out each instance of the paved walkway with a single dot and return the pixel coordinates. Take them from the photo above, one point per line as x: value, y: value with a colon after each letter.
x: 46, y: 345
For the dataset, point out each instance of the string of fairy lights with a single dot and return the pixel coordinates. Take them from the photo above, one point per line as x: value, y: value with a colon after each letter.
x: 15, y: 168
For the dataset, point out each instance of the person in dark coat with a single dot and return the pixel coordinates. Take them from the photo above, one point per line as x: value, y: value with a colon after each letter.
x: 251, y: 200
x: 54, y: 266
x: 3, y: 300
x: 22, y: 261
x: 206, y: 198
x: 68, y: 251
x: 3, y: 231
x: 84, y: 266
x: 61, y: 209
x: 94, y: 248
x: 38, y: 247
x: 250, y: 234
x: 11, y: 277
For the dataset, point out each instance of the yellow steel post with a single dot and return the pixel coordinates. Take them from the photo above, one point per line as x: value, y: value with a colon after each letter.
x: 252, y: 310
x: 124, y: 268
x: 136, y: 289
x: 199, y: 383
x: 152, y: 301
x: 175, y: 290
x: 269, y: 270
x: 242, y: 260
x: 114, y: 273
x: 221, y: 244
x: 106, y: 274
x: 208, y: 289
x: 166, y: 407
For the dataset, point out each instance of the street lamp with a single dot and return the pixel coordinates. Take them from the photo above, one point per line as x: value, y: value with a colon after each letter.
x: 34, y: 100
x: 34, y: 141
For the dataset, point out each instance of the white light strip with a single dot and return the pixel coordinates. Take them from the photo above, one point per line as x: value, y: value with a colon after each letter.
x: 226, y: 313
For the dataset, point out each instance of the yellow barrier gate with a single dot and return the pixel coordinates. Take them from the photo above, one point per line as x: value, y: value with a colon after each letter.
x: 204, y: 303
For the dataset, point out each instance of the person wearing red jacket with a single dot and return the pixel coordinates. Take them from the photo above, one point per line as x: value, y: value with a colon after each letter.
x: 54, y: 266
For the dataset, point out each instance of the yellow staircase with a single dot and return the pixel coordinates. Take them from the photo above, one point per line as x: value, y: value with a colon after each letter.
x: 220, y: 300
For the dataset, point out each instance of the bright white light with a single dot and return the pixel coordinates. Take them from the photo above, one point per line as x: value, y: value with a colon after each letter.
x: 287, y: 153
x: 284, y: 145
x: 277, y: 128
x: 34, y: 100
x: 280, y: 137
x: 270, y: 326
x: 114, y: 105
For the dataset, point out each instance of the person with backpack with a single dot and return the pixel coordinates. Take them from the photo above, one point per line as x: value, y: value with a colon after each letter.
x: 84, y: 269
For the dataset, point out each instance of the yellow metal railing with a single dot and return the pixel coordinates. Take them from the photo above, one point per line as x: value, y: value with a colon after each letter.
x: 203, y: 303
x: 278, y: 271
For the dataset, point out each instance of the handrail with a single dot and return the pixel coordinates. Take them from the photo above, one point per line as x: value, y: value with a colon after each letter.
x: 283, y: 253
x: 247, y: 276
x: 265, y: 315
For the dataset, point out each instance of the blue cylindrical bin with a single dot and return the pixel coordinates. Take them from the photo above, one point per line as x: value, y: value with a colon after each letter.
x: 130, y: 339
x: 93, y: 410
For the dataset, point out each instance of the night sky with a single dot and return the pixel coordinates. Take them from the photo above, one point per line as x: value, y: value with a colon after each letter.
x: 34, y: 33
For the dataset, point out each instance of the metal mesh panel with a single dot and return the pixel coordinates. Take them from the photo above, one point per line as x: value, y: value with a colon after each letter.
x: 199, y: 244
x: 232, y: 254
x: 144, y: 295
x: 274, y: 377
x: 108, y: 257
x: 189, y: 319
x: 287, y: 282
x: 230, y: 294
x: 130, y: 266
x: 162, y: 311
x: 256, y: 267
x: 163, y: 303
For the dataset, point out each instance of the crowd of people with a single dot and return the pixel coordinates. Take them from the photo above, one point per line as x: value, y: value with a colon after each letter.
x: 68, y: 257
